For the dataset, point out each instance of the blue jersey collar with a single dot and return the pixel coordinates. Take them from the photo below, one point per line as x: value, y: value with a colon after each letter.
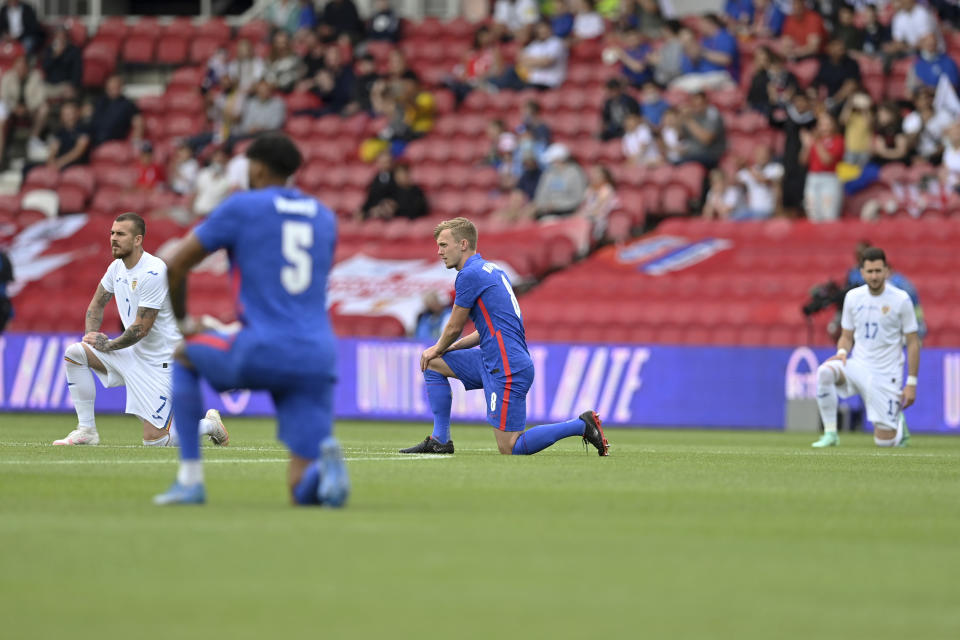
x: 473, y: 258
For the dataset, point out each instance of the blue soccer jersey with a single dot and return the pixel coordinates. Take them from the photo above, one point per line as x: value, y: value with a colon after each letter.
x: 281, y: 245
x: 484, y: 289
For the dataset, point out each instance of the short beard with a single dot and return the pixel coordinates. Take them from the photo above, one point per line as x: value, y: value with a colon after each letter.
x: 120, y: 256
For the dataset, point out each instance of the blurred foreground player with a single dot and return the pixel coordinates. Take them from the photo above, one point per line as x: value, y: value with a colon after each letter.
x: 879, y: 318
x: 281, y: 245
x: 502, y: 366
x: 141, y: 359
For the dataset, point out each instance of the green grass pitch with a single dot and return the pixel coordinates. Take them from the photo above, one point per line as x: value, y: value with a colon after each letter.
x: 678, y: 534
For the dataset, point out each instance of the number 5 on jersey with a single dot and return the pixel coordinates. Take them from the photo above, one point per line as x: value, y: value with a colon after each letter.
x: 297, y: 241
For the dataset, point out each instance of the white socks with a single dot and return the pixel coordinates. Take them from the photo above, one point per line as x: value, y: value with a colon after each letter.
x: 190, y: 472
x: 83, y: 392
x: 206, y: 427
x: 827, y: 397
x: 895, y: 441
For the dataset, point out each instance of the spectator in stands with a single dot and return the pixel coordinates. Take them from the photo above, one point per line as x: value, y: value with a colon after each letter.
x: 264, y: 111
x: 384, y: 24
x: 497, y: 134
x: 216, y: 69
x: 632, y: 56
x: 62, y: 67
x: 437, y: 309
x: 838, y: 77
x: 931, y: 63
x: 599, y: 200
x: 876, y: 35
x: 702, y: 132
x: 587, y: 23
x: 367, y: 77
x: 671, y: 144
x: 543, y: 63
x: 182, y: 170
x: 846, y: 30
x: 150, y: 173
x: 617, y: 105
x: 910, y: 24
x: 18, y: 21
x: 246, y: 68
x: 562, y: 19
x: 224, y: 112
x: 284, y: 15
x: 24, y: 100
x: 723, y: 198
x: 379, y: 189
x: 649, y: 18
x: 340, y: 18
x: 822, y: 150
x: 711, y: 62
x: 925, y: 126
x: 71, y: 143
x: 772, y: 85
x: 507, y: 172
x: 761, y: 180
x: 335, y: 84
x: 797, y: 117
x: 950, y: 165
x: 284, y: 68
x: 803, y: 33
x: 112, y: 113
x: 213, y: 183
x: 767, y: 20
x: 652, y: 104
x: 314, y: 61
x: 890, y: 143
x: 856, y: 117
x: 668, y: 58
x: 417, y: 108
x: 306, y: 17
x: 534, y: 124
x: 513, y: 18
x: 738, y: 14
x: 529, y: 177
x: 481, y: 64
x: 562, y: 185
x: 407, y: 200
x: 627, y: 16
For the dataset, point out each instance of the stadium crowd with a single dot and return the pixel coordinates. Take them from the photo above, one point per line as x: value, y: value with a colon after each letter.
x: 815, y: 72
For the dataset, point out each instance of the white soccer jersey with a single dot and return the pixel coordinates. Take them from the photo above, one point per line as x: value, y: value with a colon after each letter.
x: 879, y: 324
x: 145, y: 286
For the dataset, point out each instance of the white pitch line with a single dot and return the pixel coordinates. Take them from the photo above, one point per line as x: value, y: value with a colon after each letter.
x: 216, y: 460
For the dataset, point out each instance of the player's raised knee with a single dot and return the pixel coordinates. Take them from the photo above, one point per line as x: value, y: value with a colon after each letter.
x: 827, y: 374
x: 76, y: 354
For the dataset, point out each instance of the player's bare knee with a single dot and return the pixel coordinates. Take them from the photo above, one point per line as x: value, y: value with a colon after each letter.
x: 441, y: 367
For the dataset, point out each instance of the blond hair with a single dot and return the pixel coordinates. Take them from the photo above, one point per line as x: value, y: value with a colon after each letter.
x: 461, y: 228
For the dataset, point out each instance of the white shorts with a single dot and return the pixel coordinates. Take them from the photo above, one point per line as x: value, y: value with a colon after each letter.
x: 149, y: 386
x: 880, y: 391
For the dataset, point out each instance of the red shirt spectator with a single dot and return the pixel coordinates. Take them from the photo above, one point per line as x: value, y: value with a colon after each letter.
x: 150, y: 174
x: 833, y: 145
x: 803, y: 32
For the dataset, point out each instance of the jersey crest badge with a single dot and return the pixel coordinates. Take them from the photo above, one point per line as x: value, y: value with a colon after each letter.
x: 884, y: 309
x: 133, y: 286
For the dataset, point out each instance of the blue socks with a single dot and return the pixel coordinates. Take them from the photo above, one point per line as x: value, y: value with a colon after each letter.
x: 188, y: 410
x: 305, y: 492
x: 440, y: 398
x: 539, y: 438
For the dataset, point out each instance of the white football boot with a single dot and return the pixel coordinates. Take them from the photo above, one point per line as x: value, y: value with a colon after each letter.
x: 220, y: 436
x: 80, y: 436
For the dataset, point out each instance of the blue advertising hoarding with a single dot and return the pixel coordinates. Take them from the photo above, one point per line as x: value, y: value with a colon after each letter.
x: 630, y: 385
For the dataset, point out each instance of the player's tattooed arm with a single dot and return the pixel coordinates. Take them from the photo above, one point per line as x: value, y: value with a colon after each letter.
x: 94, y: 316
x: 134, y: 333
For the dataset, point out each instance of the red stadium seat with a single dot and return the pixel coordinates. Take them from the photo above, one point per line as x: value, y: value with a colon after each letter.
x: 215, y: 28
x: 255, y: 31
x: 186, y: 78
x: 187, y: 101
x: 113, y: 27
x: 203, y: 48
x: 138, y: 50
x: 116, y: 152
x: 172, y: 50
x: 73, y: 199
x: 180, y: 27
x: 180, y: 125
x: 42, y: 177
x: 81, y: 177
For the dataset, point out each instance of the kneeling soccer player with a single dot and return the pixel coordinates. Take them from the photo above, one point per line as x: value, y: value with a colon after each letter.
x: 281, y: 245
x: 879, y: 318
x: 502, y: 366
x: 141, y: 359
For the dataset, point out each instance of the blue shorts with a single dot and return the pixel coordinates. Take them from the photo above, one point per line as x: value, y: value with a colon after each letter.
x: 303, y: 398
x: 506, y: 394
